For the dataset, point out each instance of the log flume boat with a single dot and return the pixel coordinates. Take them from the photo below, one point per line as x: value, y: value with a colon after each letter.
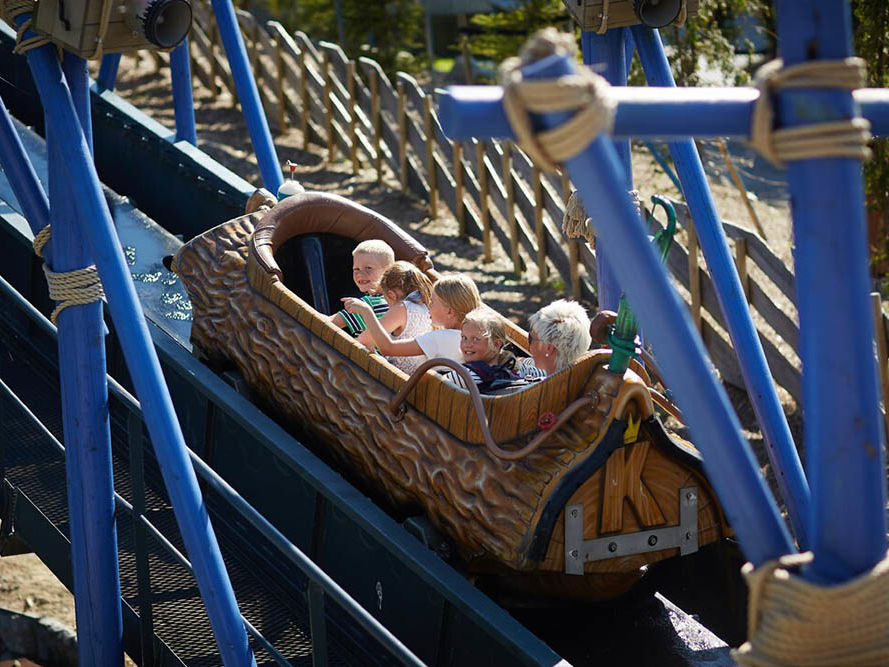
x: 566, y: 488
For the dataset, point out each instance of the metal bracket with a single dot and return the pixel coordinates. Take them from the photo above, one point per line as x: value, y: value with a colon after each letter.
x: 685, y: 536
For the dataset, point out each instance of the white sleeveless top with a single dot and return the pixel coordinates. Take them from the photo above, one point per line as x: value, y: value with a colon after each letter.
x: 417, y: 322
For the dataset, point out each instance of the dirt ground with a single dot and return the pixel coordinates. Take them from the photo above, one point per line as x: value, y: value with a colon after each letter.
x: 26, y: 585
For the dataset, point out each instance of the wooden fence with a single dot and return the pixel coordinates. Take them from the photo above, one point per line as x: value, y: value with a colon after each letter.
x: 491, y: 188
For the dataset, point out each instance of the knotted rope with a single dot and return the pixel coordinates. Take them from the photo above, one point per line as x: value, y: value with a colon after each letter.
x: 841, y: 138
x: 585, y: 93
x: 577, y: 225
x: 71, y: 288
x: 10, y: 10
x: 794, y: 622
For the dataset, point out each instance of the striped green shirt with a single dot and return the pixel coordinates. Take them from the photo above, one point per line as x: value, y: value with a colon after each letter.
x: 355, y: 323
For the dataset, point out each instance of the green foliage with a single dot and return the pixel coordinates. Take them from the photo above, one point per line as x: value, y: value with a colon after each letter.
x: 389, y: 32
x: 871, y: 36
x: 708, y: 40
x: 503, y: 33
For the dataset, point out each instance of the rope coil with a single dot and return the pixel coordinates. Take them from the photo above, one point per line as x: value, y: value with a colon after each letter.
x: 585, y: 93
x: 576, y: 224
x: 795, y: 622
x: 70, y: 288
x: 847, y: 138
x: 10, y: 10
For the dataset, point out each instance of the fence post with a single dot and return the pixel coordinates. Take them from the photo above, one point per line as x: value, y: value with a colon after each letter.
x: 460, y: 213
x: 573, y: 250
x: 882, y: 360
x: 509, y: 186
x: 483, y: 198
x: 537, y: 186
x: 214, y: 67
x: 279, y: 87
x: 431, y: 173
x: 304, y: 98
x: 353, y: 116
x: 741, y: 263
x: 402, y: 135
x: 328, y: 107
x: 375, y: 121
x: 694, y: 276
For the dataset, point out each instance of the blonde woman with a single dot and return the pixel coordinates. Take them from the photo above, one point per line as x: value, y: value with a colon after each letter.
x: 558, y: 334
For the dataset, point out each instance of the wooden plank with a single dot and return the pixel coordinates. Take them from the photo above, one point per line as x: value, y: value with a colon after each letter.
x: 694, y: 276
x: 328, y: 108
x: 402, y: 135
x: 432, y: 175
x: 460, y: 205
x: 353, y: 116
x: 537, y: 187
x: 774, y: 316
x: 511, y: 222
x: 484, y: 204
x: 741, y: 264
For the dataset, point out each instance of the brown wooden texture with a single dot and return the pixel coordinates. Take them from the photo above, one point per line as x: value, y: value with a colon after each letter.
x: 317, y: 376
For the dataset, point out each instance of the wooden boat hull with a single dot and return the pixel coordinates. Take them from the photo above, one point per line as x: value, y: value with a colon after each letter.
x: 614, y: 460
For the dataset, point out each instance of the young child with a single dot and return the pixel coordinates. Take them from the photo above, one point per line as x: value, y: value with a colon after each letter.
x: 451, y: 298
x: 407, y: 290
x: 369, y: 260
x: 491, y: 367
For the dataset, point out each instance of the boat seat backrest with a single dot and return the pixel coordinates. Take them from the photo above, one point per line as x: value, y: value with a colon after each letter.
x: 324, y: 213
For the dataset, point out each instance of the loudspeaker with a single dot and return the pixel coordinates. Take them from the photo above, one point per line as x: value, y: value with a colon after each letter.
x: 80, y: 26
x: 657, y: 13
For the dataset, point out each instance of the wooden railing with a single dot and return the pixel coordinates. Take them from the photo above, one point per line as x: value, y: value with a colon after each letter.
x: 491, y: 188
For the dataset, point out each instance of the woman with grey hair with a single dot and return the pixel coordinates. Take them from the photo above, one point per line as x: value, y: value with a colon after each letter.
x: 558, y: 334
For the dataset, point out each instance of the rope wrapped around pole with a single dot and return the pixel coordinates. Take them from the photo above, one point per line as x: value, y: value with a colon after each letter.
x: 71, y: 288
x: 576, y: 224
x: 9, y: 11
x: 792, y: 621
x: 847, y: 138
x: 585, y: 93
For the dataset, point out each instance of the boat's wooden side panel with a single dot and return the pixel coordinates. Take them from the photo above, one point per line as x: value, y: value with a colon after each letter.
x: 316, y: 375
x: 487, y: 505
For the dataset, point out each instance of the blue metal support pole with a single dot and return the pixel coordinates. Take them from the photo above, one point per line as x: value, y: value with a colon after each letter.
x: 257, y: 124
x: 84, y: 393
x: 163, y: 427
x: 108, y: 71
x: 648, y: 112
x: 843, y: 428
x: 779, y: 443
x: 606, y: 53
x: 183, y: 99
x: 730, y: 466
x: 21, y: 175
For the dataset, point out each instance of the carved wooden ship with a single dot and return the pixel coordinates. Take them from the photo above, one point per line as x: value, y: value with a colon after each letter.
x: 608, y: 491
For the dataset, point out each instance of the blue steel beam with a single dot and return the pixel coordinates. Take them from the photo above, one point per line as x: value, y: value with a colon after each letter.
x: 782, y: 452
x: 645, y: 113
x: 108, y: 71
x: 166, y: 435
x: 21, y: 175
x: 730, y: 466
x: 606, y: 54
x: 183, y: 99
x: 84, y: 396
x: 843, y: 429
x: 245, y: 84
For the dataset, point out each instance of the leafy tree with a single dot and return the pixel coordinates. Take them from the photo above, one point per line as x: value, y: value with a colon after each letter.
x: 502, y: 34
x: 388, y: 32
x: 871, y: 37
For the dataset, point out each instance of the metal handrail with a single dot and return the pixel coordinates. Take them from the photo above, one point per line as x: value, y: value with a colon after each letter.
x: 315, y: 574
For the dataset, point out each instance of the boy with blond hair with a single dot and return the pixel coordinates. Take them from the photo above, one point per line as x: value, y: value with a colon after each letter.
x: 370, y: 259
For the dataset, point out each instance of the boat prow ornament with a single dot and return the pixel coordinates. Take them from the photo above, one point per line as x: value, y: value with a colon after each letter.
x: 567, y: 488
